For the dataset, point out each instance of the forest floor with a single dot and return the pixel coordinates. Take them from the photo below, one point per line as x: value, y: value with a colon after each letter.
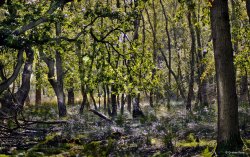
x: 160, y: 132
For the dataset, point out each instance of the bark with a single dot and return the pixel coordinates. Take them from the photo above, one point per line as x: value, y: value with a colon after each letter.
x: 57, y: 85
x: 93, y: 99
x: 192, y: 61
x: 38, y: 85
x: 169, y: 49
x: 248, y: 94
x: 248, y: 8
x: 243, y: 86
x: 104, y: 98
x: 204, y: 85
x: 153, y: 29
x: 7, y: 82
x: 137, y: 112
x: 248, y: 13
x: 84, y: 102
x: 199, y: 65
x: 113, y: 100
x: 100, y: 115
x: 38, y: 95
x: 118, y: 100
x: 71, y: 96
x: 27, y: 101
x: 23, y: 91
x: 99, y: 98
x: 122, y: 103
x: 81, y: 73
x: 60, y: 74
x: 228, y: 138
x: 108, y: 100
x: 13, y: 103
x: 129, y: 102
x: 178, y: 82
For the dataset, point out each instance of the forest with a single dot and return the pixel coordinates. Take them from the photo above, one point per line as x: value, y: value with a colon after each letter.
x: 125, y: 78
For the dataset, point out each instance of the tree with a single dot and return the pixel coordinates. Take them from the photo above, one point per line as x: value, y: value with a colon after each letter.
x: 228, y: 138
x: 248, y: 9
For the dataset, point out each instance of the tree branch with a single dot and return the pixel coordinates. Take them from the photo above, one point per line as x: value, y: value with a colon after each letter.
x: 4, y: 85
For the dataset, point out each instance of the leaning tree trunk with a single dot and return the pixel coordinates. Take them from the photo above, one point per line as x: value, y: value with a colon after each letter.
x: 93, y: 99
x: 228, y: 138
x: 13, y: 103
x: 57, y: 85
x: 7, y: 82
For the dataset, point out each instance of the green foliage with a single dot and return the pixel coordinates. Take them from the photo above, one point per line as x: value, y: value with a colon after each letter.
x: 149, y: 118
x: 207, y: 153
x: 99, y: 148
x: 120, y: 119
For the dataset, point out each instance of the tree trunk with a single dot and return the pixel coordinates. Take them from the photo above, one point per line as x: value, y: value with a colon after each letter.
x: 104, y: 98
x: 137, y: 112
x: 122, y: 103
x: 84, y: 101
x: 27, y: 101
x: 7, y: 82
x: 248, y: 8
x: 12, y: 104
x: 153, y: 27
x: 71, y: 96
x: 248, y: 94
x: 192, y: 52
x: 129, y: 102
x: 228, y: 138
x: 108, y: 101
x: 204, y: 84
x: 99, y: 98
x: 38, y: 85
x: 56, y: 84
x: 61, y: 102
x: 113, y: 100
x: 169, y: 51
x: 81, y: 73
x: 60, y: 74
x: 118, y: 100
x: 93, y: 99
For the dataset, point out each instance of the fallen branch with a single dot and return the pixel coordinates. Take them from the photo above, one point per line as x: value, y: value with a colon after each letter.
x: 43, y: 122
x: 100, y: 115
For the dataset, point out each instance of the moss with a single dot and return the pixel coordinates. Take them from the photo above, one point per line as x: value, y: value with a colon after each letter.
x: 246, y: 147
x: 211, y: 143
x: 206, y: 153
x: 3, y: 155
x: 120, y: 120
x: 149, y: 118
x: 53, y: 144
x: 99, y: 148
